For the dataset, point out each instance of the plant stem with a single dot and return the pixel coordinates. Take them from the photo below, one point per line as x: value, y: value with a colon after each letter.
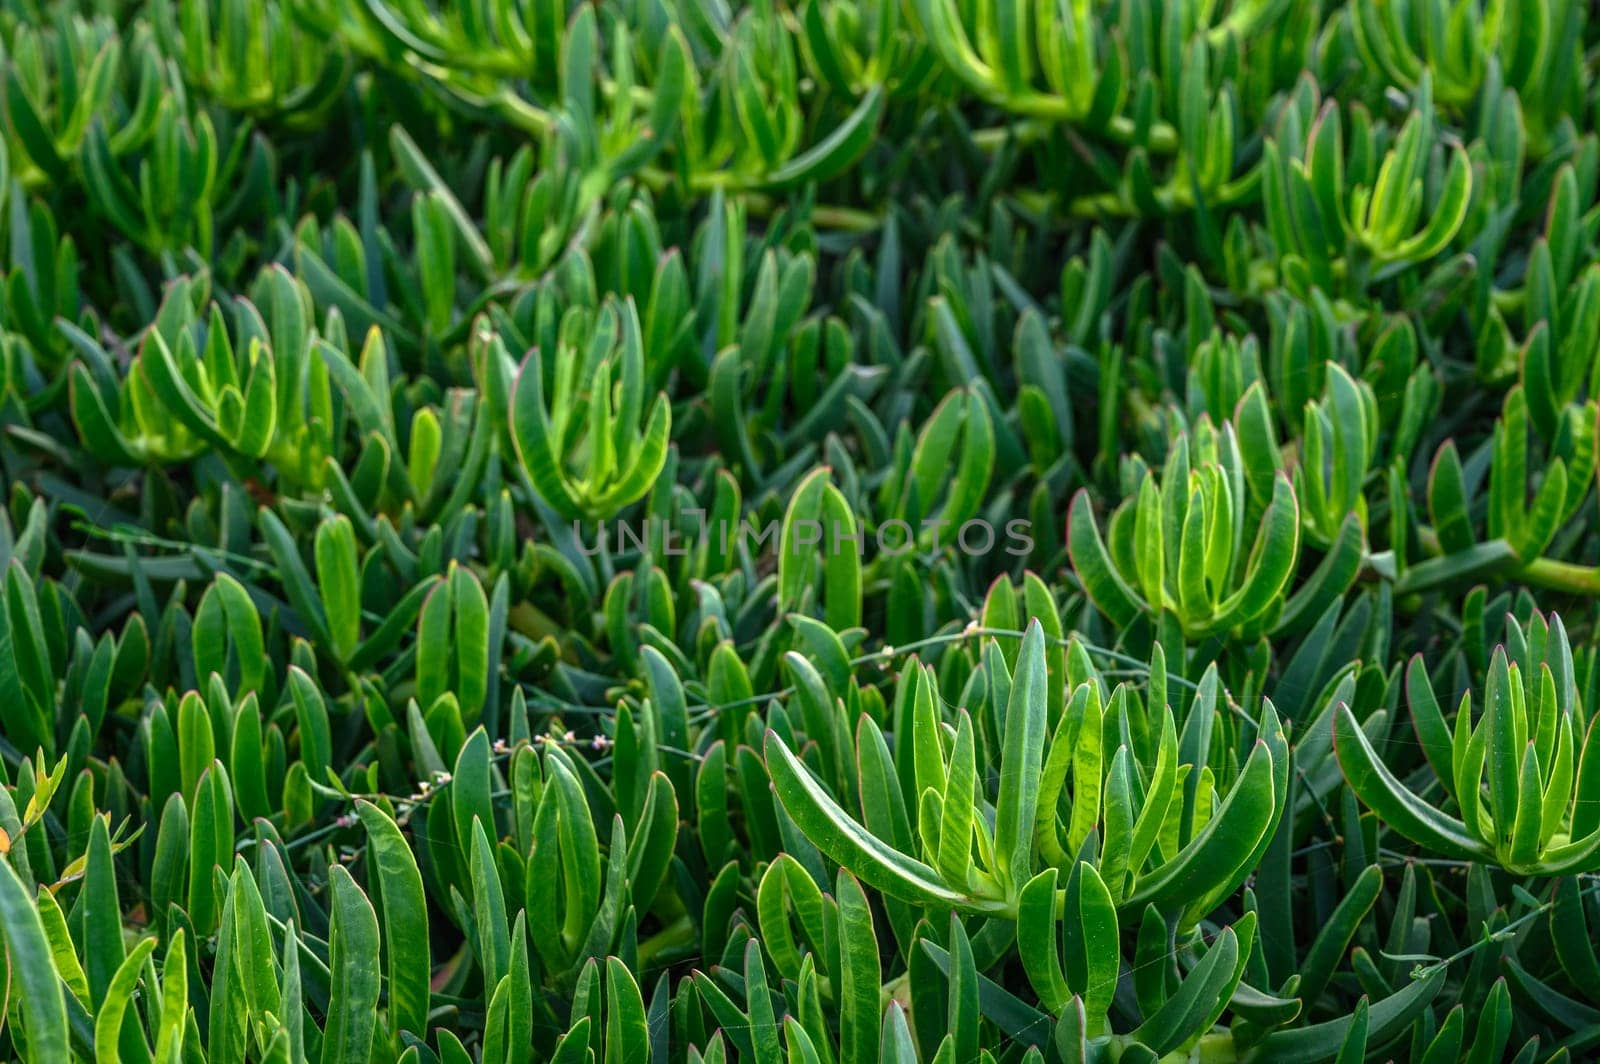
x: 676, y: 935
x: 1562, y: 576
x: 1549, y: 573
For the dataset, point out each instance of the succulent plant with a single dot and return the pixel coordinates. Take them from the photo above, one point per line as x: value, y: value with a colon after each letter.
x: 800, y: 533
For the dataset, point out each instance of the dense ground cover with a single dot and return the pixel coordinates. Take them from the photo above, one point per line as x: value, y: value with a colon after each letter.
x: 806, y: 531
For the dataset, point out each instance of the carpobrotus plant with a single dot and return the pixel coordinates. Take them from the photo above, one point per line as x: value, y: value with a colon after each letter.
x: 804, y: 532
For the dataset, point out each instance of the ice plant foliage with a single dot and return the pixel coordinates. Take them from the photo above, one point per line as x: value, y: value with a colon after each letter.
x: 799, y: 532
